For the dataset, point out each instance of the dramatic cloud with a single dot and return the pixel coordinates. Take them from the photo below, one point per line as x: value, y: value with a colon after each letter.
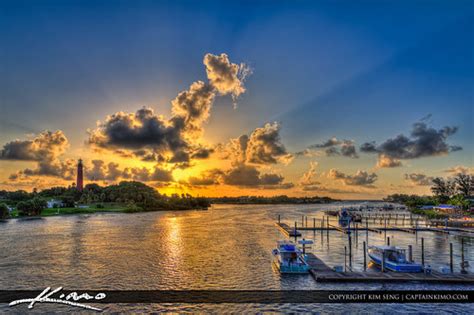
x: 423, y: 141
x: 262, y: 147
x: 419, y: 179
x: 224, y: 76
x: 45, y: 146
x: 249, y: 176
x: 45, y: 149
x: 193, y: 106
x: 152, y: 137
x: 100, y: 171
x: 240, y: 175
x: 335, y: 147
x: 360, y: 178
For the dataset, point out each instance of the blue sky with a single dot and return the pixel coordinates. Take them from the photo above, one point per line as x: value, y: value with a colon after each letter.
x: 363, y: 71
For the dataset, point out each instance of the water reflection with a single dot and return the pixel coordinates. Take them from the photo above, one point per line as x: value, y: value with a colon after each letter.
x: 226, y: 247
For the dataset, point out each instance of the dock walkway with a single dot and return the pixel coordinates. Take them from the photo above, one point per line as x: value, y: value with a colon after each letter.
x: 323, y: 273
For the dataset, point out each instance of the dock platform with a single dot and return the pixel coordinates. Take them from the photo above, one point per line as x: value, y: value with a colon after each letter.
x: 287, y: 230
x: 323, y: 273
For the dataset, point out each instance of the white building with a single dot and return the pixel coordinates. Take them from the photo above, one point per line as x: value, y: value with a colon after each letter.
x: 54, y: 203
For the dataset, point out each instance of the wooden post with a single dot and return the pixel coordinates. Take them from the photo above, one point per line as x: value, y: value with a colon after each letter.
x: 388, y: 241
x: 385, y: 230
x: 345, y: 258
x: 365, y: 257
x: 322, y: 226
x: 357, y: 232
x: 350, y: 250
x: 367, y: 232
x: 314, y: 224
x: 410, y: 253
x: 306, y: 221
x: 451, y: 265
x: 423, y: 252
x: 327, y: 227
x: 278, y: 219
x: 302, y: 220
x: 295, y: 230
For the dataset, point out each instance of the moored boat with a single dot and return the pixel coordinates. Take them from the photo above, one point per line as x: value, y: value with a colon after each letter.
x: 289, y: 259
x: 395, y: 259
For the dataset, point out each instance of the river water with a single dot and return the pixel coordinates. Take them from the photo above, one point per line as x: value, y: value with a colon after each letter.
x: 225, y: 247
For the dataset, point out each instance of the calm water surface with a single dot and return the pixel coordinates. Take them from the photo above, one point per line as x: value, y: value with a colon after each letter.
x: 226, y: 247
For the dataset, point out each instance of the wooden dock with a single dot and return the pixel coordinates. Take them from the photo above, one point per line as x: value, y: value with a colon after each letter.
x: 323, y: 273
x: 287, y: 230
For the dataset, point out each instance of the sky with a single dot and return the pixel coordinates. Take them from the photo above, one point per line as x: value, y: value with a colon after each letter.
x: 353, y: 100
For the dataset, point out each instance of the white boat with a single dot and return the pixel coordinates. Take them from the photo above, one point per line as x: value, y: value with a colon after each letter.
x: 289, y: 259
x: 395, y: 259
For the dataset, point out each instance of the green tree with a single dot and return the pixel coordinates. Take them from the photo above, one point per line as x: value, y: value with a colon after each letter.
x: 464, y: 184
x: 31, y: 207
x: 4, y: 212
x: 443, y: 189
x: 460, y: 201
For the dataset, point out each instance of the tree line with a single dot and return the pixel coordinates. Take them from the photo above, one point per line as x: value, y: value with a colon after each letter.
x: 456, y: 191
x: 135, y: 195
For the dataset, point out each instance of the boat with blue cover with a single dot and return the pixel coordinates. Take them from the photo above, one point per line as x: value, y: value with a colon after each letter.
x: 289, y: 259
x: 395, y: 259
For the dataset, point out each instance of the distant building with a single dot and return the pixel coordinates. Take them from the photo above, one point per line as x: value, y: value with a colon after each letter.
x: 54, y: 203
x: 447, y: 208
x: 426, y: 207
x: 80, y: 176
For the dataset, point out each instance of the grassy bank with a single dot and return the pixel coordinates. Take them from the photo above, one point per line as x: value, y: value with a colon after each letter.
x: 48, y: 212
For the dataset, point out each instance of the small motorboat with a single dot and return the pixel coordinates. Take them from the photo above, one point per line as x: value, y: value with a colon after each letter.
x: 289, y: 259
x: 344, y: 217
x: 395, y: 259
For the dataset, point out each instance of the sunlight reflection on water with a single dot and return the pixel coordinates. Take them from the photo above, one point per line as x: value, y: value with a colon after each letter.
x: 226, y: 247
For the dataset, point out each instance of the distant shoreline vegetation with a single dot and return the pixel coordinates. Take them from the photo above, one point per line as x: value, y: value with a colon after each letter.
x: 126, y: 197
x: 270, y: 200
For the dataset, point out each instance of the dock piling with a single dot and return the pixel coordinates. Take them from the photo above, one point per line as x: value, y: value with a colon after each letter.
x: 410, y: 253
x: 295, y: 231
x: 365, y: 256
x: 278, y: 219
x: 345, y: 258
x: 451, y: 265
x: 422, y: 251
x: 463, y: 263
x: 367, y: 231
x: 388, y: 241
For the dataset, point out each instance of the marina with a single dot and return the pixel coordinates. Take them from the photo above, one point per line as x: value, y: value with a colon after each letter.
x: 397, y: 269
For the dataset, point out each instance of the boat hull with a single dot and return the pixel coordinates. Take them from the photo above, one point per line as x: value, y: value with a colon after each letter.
x: 396, y: 267
x: 291, y: 269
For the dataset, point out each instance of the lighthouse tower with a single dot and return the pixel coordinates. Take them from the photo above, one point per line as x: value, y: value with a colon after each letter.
x: 80, y: 176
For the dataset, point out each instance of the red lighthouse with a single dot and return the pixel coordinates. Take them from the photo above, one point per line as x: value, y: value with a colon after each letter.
x: 80, y: 176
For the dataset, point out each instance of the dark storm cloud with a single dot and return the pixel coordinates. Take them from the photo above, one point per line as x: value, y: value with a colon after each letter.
x: 360, y: 178
x: 335, y: 147
x: 423, y: 141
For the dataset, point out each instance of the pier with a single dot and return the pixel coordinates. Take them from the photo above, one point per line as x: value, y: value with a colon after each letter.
x: 323, y: 273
